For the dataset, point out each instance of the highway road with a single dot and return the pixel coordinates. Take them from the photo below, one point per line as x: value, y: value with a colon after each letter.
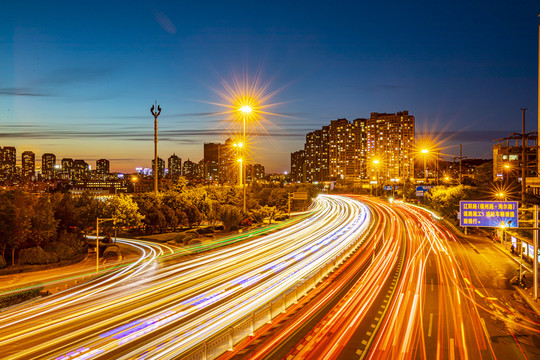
x: 424, y: 294
x: 162, y: 307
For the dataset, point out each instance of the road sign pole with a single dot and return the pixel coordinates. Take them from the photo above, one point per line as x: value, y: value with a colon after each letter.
x: 97, y: 245
x: 535, y: 253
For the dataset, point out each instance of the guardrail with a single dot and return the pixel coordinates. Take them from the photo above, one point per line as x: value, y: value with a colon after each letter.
x: 225, y: 340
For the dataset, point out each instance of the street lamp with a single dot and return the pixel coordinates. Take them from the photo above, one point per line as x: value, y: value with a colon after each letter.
x: 376, y: 163
x: 246, y: 111
x: 98, y: 220
x: 425, y: 152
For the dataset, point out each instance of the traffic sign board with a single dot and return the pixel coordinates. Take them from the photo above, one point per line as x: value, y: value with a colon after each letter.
x: 421, y: 190
x: 488, y: 213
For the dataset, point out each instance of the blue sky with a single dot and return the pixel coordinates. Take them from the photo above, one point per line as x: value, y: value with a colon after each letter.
x: 78, y: 78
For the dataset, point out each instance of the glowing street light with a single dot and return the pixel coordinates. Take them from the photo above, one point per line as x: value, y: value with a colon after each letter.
x: 245, y: 111
x: 425, y: 152
x: 376, y: 162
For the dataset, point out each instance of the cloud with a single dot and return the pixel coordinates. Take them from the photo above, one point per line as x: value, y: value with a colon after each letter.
x: 75, y: 75
x: 19, y: 92
x: 131, y: 134
x: 383, y: 87
x: 165, y: 23
x: 469, y: 135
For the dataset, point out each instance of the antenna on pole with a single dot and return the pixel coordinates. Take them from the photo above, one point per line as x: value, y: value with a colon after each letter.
x: 155, y: 110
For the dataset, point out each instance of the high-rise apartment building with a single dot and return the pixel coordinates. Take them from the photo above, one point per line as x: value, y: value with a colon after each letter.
x: 8, y: 161
x: 358, y: 150
x: 48, y: 162
x: 175, y: 166
x: 254, y: 172
x: 316, y: 155
x: 298, y: 166
x: 212, y: 156
x: 390, y: 139
x: 103, y: 166
x: 79, y: 170
x: 28, y: 162
x: 190, y: 169
x: 67, y: 168
x: 160, y: 167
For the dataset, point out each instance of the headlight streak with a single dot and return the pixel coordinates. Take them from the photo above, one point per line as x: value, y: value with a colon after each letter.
x: 66, y: 299
x: 311, y: 238
x: 401, y: 332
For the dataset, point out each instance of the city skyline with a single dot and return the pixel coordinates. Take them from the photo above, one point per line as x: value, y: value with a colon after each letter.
x: 79, y: 82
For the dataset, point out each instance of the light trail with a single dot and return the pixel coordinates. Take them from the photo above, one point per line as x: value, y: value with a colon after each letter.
x: 179, y: 305
x: 400, y: 331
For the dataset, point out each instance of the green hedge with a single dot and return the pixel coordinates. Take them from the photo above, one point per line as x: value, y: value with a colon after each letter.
x: 19, y: 297
x: 36, y: 256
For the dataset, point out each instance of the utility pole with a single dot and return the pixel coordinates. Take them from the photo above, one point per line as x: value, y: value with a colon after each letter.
x: 460, y: 157
x: 538, y: 123
x: 156, y: 114
x: 524, y: 141
x: 535, y: 256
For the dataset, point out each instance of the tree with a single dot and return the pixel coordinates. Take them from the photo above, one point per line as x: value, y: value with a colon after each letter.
x: 7, y: 221
x: 88, y: 209
x: 65, y: 212
x: 124, y: 210
x: 22, y: 221
x: 43, y: 223
x: 446, y: 199
x: 150, y: 208
x: 230, y: 217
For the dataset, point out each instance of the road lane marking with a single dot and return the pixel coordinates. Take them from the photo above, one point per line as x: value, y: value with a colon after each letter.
x: 431, y: 284
x: 430, y: 324
x: 485, y: 329
x: 452, y: 355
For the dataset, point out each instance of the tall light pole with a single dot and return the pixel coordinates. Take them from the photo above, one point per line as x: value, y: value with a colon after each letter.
x: 425, y: 152
x: 246, y: 111
x: 156, y: 114
x: 98, y: 220
x: 376, y: 163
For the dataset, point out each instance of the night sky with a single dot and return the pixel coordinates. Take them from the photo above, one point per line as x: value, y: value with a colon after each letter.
x: 78, y: 78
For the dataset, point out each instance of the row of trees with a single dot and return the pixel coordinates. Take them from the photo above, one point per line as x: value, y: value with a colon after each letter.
x: 47, y: 220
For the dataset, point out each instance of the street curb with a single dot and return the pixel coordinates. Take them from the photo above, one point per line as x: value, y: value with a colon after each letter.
x: 533, y: 304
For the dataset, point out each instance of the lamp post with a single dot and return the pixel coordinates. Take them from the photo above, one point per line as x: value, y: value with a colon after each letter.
x: 376, y: 163
x: 246, y: 111
x: 425, y: 152
x: 156, y: 114
x: 98, y: 220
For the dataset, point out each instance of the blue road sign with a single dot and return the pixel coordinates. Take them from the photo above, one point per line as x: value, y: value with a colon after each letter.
x: 422, y: 190
x: 388, y: 187
x: 488, y: 213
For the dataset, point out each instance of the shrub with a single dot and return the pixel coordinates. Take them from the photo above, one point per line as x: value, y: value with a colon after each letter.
x: 112, y: 251
x: 62, y: 251
x: 16, y: 298
x: 76, y: 241
x: 34, y: 256
x: 2, y: 262
x: 230, y: 217
x: 281, y: 217
x: 206, y: 230
x: 247, y: 222
x: 189, y: 236
x: 195, y: 242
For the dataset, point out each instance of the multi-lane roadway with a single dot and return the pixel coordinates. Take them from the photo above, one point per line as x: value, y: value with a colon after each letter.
x: 163, y: 308
x: 421, y: 295
x: 392, y: 283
